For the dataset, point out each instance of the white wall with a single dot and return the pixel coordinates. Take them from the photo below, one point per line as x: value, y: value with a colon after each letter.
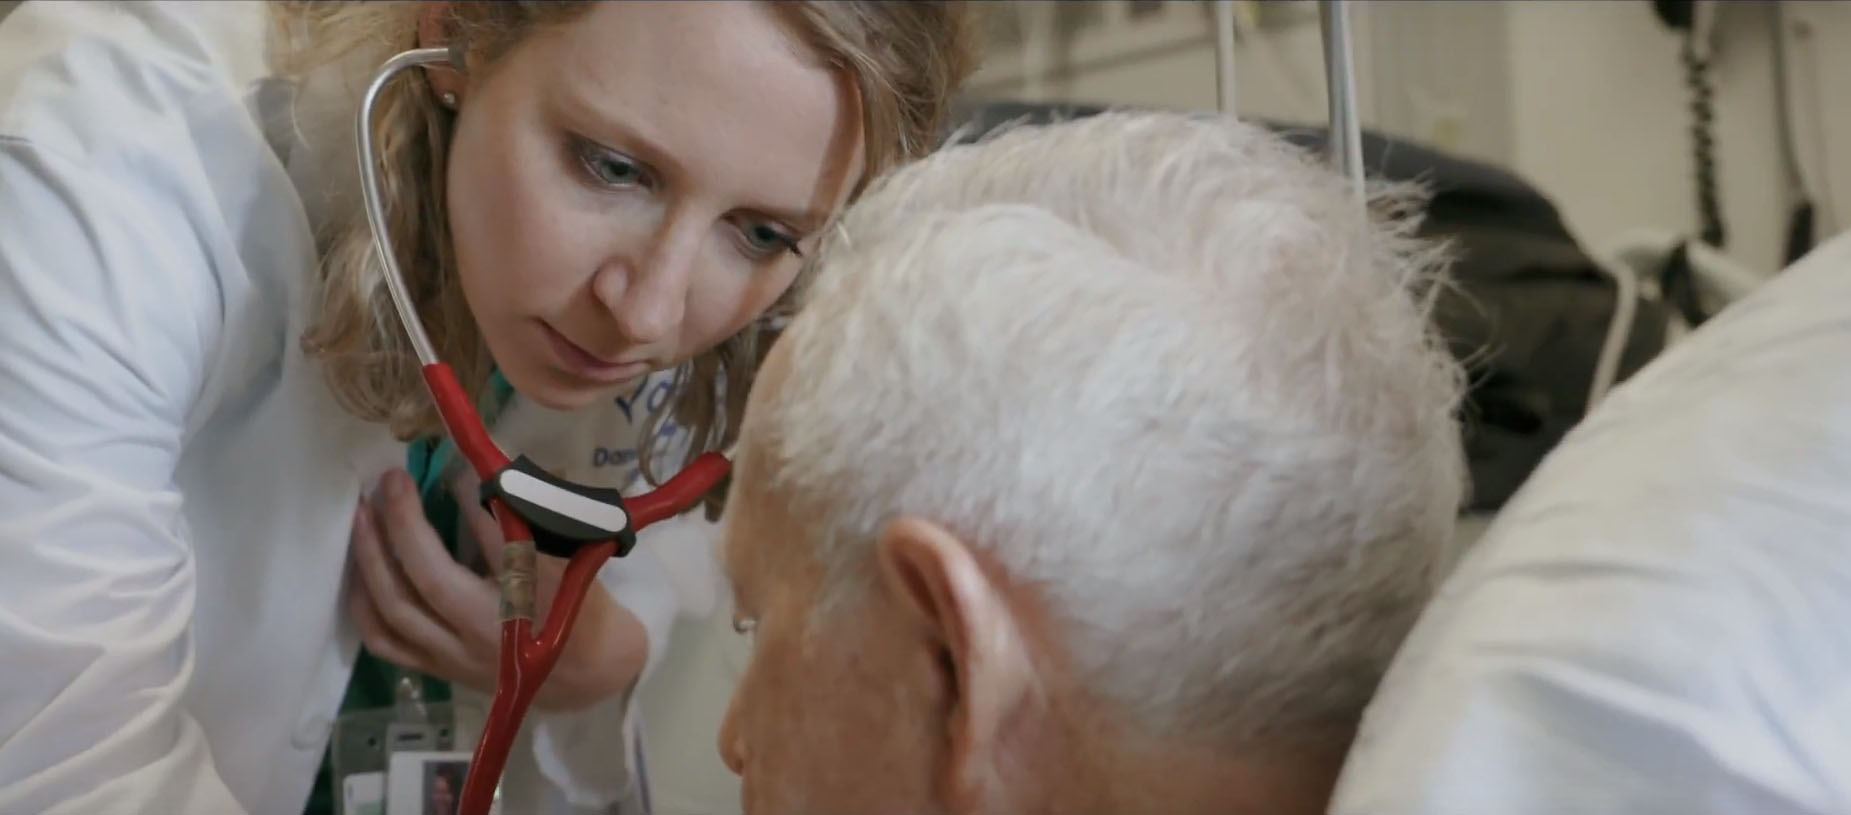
x: 1172, y: 64
x: 1585, y: 99
x: 1600, y: 114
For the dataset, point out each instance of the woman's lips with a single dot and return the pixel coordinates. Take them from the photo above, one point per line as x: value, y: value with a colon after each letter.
x: 583, y: 363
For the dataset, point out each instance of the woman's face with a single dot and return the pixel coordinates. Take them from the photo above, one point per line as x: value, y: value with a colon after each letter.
x: 443, y: 798
x: 630, y: 189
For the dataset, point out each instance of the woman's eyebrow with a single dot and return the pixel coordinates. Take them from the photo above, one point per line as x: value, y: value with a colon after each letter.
x: 611, y: 131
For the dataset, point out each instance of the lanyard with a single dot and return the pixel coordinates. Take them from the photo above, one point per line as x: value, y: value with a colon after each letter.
x: 427, y: 459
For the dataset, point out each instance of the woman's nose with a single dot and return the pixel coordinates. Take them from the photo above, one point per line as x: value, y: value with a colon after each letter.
x: 647, y: 292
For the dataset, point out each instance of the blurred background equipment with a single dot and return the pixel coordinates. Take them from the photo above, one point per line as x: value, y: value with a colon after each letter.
x: 1529, y: 312
x: 1565, y: 143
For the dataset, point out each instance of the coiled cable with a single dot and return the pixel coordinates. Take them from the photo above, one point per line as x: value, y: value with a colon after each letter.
x: 1703, y: 140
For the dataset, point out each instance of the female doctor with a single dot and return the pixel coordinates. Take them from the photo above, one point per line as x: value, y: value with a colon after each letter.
x: 202, y: 381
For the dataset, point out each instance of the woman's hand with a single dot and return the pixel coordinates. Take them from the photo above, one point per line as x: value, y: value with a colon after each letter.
x: 418, y: 608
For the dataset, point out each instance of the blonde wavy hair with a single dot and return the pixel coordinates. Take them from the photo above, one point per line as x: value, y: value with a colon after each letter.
x: 906, y: 60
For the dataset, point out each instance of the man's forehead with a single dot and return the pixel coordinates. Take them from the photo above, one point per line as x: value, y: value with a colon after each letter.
x: 741, y: 502
x: 759, y: 536
x: 742, y: 527
x: 731, y: 531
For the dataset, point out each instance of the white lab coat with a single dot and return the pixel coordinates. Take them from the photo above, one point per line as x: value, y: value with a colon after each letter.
x: 1659, y: 622
x: 176, y: 483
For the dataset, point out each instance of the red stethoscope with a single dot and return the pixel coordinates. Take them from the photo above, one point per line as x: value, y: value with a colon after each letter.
x: 538, y: 512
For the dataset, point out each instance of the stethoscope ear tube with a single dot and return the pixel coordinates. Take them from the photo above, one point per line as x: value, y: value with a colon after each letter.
x: 375, y: 208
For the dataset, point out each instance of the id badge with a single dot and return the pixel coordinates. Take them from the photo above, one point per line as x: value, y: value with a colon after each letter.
x: 363, y: 794
x: 428, y: 782
x: 384, y: 758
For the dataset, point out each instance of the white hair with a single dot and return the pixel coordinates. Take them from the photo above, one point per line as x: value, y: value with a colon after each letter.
x: 1166, y: 370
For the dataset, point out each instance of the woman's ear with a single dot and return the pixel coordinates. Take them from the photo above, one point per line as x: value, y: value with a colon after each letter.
x: 940, y: 583
x: 434, y: 31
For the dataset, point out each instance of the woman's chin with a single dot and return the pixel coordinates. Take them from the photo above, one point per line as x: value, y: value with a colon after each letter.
x: 560, y: 391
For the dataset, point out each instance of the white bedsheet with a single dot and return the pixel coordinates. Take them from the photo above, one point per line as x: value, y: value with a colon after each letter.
x: 1660, y: 620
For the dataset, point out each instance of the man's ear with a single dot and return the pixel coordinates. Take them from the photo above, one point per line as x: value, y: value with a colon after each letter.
x: 938, y: 579
x: 434, y: 31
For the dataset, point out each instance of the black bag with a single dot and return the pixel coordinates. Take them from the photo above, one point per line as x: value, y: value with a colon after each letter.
x: 1527, y: 312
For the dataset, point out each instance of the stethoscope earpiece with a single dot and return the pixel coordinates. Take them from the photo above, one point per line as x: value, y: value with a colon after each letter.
x: 459, y: 55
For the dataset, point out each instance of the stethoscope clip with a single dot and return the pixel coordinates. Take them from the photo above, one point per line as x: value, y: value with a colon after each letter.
x: 562, y: 515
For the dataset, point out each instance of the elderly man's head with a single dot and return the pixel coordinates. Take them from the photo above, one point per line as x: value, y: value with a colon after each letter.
x: 1103, y: 471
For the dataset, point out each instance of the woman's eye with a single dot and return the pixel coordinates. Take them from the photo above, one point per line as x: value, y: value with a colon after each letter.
x: 615, y: 171
x: 610, y: 169
x: 765, y: 241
